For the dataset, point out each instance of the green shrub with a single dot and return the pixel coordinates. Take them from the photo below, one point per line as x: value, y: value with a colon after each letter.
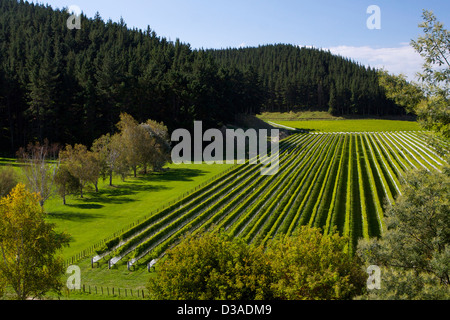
x: 8, y: 180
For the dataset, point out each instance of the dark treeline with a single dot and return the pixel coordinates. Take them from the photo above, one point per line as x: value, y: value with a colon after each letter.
x: 296, y: 79
x: 70, y: 86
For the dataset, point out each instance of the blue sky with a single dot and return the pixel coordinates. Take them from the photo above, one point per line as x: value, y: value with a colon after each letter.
x: 336, y: 25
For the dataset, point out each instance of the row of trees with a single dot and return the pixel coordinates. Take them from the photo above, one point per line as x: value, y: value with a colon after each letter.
x: 29, y: 245
x: 135, y: 145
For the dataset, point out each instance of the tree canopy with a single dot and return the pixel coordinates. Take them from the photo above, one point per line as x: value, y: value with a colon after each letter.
x: 305, y: 266
x: 414, y: 252
x: 28, y: 246
x: 70, y: 86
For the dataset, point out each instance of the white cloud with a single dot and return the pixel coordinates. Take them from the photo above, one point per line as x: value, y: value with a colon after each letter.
x: 403, y: 59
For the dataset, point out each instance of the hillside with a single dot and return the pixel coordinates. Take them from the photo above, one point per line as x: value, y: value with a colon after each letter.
x: 70, y: 86
x: 296, y: 78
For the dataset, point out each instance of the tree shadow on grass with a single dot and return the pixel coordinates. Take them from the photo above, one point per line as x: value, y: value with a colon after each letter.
x: 125, y: 192
x: 86, y: 206
x: 174, y: 174
x: 117, y: 195
x: 74, y: 216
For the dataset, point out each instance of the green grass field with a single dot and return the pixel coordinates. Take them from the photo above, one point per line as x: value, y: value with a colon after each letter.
x: 359, y: 125
x: 293, y: 116
x: 99, y: 215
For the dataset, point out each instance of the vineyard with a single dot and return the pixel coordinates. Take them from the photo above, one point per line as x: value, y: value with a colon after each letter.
x: 326, y: 180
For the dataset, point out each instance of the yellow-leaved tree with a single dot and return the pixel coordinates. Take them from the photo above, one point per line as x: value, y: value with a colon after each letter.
x: 28, y: 247
x: 305, y: 266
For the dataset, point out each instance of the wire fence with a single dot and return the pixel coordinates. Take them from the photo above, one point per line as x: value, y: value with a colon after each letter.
x: 110, y: 291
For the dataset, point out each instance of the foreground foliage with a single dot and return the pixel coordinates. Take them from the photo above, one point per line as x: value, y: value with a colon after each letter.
x: 306, y: 265
x: 28, y: 246
x: 8, y: 180
x: 414, y: 252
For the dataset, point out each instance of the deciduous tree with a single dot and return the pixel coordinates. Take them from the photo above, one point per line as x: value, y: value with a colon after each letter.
x: 414, y: 252
x: 307, y: 266
x: 28, y: 246
x: 213, y: 266
x: 111, y: 155
x: 132, y: 140
x: 311, y: 266
x: 434, y: 47
x: 66, y: 183
x: 39, y: 171
x: 157, y: 144
x: 82, y: 164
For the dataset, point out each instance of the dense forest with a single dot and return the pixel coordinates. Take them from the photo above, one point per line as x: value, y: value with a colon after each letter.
x: 70, y: 86
x: 296, y: 79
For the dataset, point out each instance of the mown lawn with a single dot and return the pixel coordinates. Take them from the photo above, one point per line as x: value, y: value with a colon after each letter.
x: 293, y: 116
x: 100, y: 214
x: 359, y: 125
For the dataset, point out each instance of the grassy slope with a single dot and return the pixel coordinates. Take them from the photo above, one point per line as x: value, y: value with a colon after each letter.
x: 99, y: 215
x: 323, y: 121
x: 360, y: 125
x: 293, y: 116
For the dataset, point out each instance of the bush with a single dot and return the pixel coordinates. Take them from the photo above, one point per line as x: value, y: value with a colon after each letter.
x: 8, y: 180
x: 413, y: 253
x: 210, y: 266
x: 312, y: 266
